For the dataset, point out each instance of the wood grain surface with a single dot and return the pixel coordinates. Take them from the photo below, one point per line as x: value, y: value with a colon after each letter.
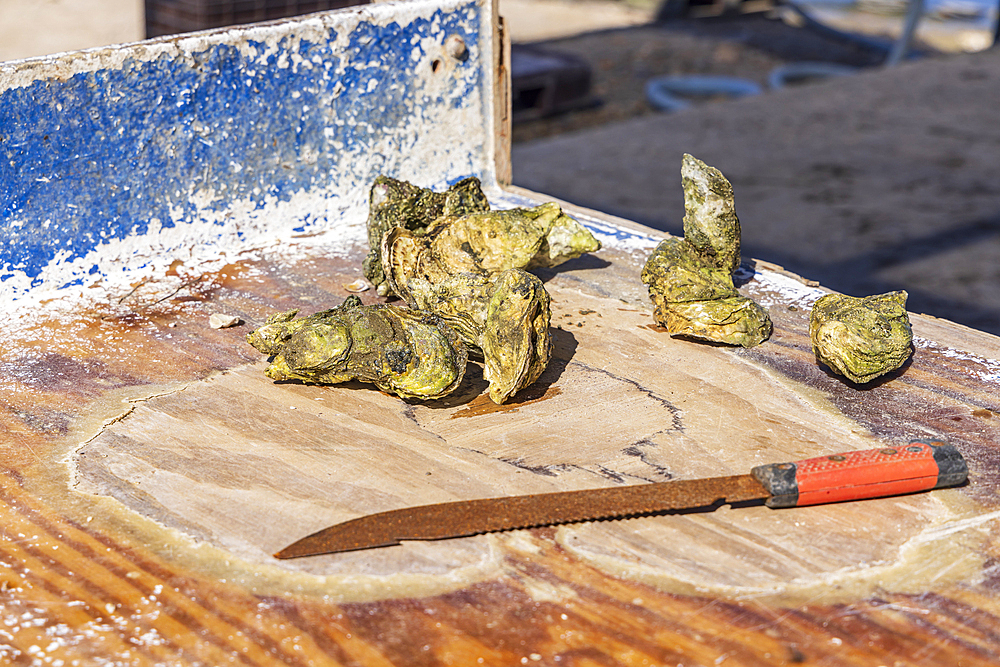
x: 151, y: 469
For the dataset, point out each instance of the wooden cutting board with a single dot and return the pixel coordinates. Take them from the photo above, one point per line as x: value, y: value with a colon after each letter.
x: 152, y: 469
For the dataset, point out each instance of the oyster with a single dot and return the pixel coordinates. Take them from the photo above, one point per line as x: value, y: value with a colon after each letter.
x: 504, y: 315
x: 710, y: 222
x: 690, y: 280
x: 735, y: 321
x: 471, y: 236
x: 519, y: 238
x: 411, y: 354
x: 394, y: 203
x: 515, y: 341
x: 861, y: 338
x: 448, y: 254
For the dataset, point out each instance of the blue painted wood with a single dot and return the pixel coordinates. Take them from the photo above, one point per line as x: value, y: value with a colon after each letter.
x: 228, y: 130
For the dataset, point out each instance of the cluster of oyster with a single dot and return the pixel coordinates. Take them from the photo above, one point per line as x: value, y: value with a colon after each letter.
x: 460, y: 268
x: 397, y: 204
x: 691, y: 279
x: 691, y: 287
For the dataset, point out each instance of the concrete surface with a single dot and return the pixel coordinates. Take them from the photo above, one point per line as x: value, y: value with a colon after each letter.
x: 623, y: 60
x: 951, y: 36
x: 536, y: 20
x: 889, y: 179
x: 40, y: 27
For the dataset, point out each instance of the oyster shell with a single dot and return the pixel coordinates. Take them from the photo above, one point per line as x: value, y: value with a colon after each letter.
x: 515, y: 340
x: 504, y: 315
x: 861, y: 338
x: 734, y: 321
x: 710, y: 222
x: 448, y: 254
x: 675, y: 272
x: 690, y: 280
x: 519, y: 238
x: 411, y: 354
x: 394, y: 203
x: 471, y: 236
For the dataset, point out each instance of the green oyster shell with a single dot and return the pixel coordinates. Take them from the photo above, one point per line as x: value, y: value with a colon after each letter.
x: 734, y: 321
x: 448, y: 254
x: 394, y: 203
x: 490, y: 242
x: 690, y: 280
x: 503, y: 314
x: 710, y: 222
x: 519, y: 238
x: 861, y: 338
x: 471, y: 236
x: 679, y: 274
x: 515, y: 339
x: 411, y: 354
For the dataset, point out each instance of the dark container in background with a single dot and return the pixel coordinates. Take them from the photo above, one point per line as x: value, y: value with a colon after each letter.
x: 169, y: 17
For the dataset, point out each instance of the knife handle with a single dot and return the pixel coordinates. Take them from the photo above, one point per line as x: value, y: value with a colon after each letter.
x: 871, y: 473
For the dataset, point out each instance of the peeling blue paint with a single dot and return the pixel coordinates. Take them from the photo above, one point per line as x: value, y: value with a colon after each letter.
x: 107, y: 154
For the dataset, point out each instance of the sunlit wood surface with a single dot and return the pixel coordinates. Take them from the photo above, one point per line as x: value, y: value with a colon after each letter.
x: 150, y: 469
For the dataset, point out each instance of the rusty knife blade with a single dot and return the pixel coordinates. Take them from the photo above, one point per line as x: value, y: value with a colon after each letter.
x: 472, y: 517
x: 920, y: 465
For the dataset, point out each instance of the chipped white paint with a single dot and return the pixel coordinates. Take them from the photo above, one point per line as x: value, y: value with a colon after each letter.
x: 774, y: 289
x: 207, y: 245
x: 987, y: 370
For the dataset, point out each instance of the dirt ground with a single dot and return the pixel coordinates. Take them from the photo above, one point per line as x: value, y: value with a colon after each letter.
x: 746, y: 46
x: 39, y: 27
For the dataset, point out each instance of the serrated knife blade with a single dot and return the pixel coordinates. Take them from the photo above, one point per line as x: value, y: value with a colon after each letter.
x: 918, y: 466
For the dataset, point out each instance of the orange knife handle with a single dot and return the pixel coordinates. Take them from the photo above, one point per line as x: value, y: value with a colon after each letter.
x: 871, y: 473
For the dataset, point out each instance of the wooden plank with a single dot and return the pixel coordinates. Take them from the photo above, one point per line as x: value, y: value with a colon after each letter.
x: 165, y: 505
x: 623, y: 403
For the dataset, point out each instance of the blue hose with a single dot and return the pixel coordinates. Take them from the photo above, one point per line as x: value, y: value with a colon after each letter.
x: 793, y: 72
x: 669, y: 93
x: 672, y: 93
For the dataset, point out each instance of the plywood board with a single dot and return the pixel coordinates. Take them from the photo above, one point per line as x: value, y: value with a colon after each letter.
x: 156, y: 460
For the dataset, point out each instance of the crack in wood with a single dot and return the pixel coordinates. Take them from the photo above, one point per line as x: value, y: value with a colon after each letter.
x: 674, y: 410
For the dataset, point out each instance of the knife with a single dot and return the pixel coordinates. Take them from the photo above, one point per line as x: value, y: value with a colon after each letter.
x: 887, y: 471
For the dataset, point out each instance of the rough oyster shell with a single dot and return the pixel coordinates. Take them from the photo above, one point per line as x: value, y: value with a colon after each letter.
x: 394, y: 203
x: 408, y: 353
x: 861, y: 338
x: 734, y: 321
x: 519, y: 238
x: 710, y: 222
x: 505, y: 315
x: 679, y: 275
x: 448, y: 254
x: 515, y: 340
x: 690, y: 279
